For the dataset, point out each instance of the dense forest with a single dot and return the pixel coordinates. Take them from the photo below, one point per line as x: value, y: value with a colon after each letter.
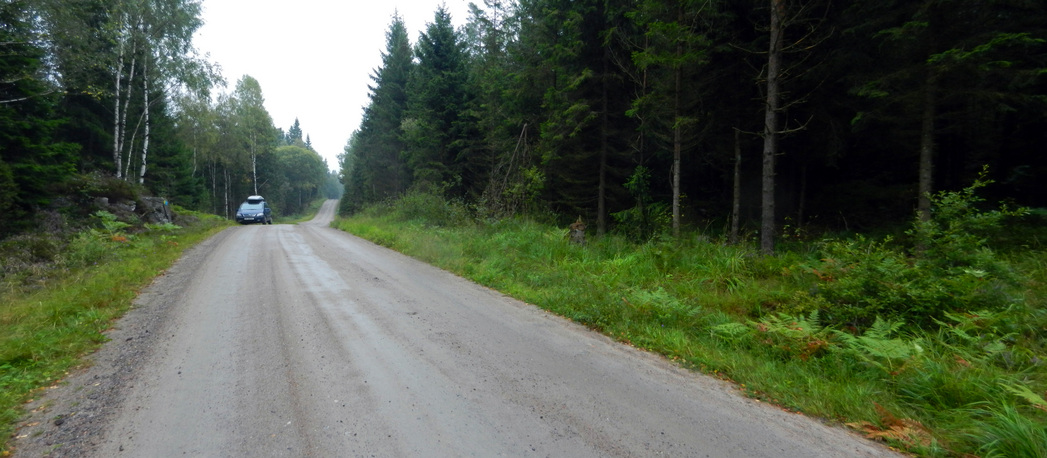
x: 642, y: 117
x: 108, y: 98
x: 740, y: 117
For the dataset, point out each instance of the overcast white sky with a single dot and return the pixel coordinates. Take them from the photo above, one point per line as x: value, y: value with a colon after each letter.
x: 312, y: 58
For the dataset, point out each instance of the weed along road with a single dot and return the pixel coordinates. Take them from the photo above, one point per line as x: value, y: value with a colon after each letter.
x: 301, y: 340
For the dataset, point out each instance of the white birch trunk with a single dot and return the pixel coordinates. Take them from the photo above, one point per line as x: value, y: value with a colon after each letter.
x: 225, y: 171
x: 145, y: 106
x: 117, y: 147
x: 122, y: 123
x: 254, y: 167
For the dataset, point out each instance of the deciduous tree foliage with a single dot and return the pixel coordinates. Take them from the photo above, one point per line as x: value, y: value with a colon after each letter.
x: 301, y: 177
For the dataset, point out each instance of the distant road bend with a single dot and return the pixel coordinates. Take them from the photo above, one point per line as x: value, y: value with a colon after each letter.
x: 301, y: 340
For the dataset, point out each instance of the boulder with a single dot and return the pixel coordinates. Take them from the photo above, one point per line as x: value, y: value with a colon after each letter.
x: 152, y: 210
x: 155, y: 210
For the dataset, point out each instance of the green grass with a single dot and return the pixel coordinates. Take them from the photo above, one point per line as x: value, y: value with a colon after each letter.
x: 931, y: 392
x: 307, y: 214
x: 50, y: 325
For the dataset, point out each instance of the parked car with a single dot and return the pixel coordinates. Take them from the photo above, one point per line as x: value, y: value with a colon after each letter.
x: 254, y: 210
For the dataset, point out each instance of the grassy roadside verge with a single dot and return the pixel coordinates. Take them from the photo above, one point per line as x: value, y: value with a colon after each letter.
x: 307, y: 214
x: 973, y: 386
x: 50, y: 325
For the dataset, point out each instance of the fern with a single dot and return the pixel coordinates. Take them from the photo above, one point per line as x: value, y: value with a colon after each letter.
x: 882, y: 329
x: 798, y: 336
x: 976, y: 334
x: 1025, y: 393
x: 876, y: 348
x: 731, y: 332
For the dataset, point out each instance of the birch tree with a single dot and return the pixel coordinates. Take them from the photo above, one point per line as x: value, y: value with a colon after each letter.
x: 145, y: 46
x: 254, y: 130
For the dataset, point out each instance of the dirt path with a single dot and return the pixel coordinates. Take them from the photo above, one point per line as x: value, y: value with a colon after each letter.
x: 300, y: 340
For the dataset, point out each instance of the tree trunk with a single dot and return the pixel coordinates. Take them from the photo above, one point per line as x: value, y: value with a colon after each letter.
x: 120, y: 115
x: 803, y: 196
x: 770, y: 129
x: 601, y: 206
x: 225, y: 172
x: 927, y: 147
x: 677, y: 150
x: 254, y: 166
x: 736, y: 201
x: 677, y: 127
x: 122, y: 127
x: 145, y: 107
x: 214, y: 186
x: 117, y: 147
x: 130, y: 146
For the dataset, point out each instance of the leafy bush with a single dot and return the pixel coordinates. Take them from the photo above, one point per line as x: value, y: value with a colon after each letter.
x: 956, y: 238
x: 641, y: 224
x: 647, y: 219
x: 424, y: 208
x: 950, y: 269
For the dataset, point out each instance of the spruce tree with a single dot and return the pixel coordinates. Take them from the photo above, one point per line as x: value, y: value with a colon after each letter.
x: 294, y: 133
x: 437, y: 100
x: 945, y: 71
x: 373, y: 166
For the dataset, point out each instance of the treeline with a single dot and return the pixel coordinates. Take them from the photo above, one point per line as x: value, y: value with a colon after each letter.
x: 115, y: 87
x: 645, y: 116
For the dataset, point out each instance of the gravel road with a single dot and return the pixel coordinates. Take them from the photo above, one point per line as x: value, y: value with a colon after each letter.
x: 301, y: 340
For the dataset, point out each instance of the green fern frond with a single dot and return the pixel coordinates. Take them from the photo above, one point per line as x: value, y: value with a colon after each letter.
x: 1025, y: 393
x: 731, y: 332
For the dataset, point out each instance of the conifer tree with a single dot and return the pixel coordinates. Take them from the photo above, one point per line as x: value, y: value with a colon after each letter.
x: 31, y: 158
x: 372, y: 165
x: 946, y: 70
x: 294, y: 133
x: 437, y: 99
x: 672, y: 52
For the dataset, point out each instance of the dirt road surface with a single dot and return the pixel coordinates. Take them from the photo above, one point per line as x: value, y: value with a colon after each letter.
x: 304, y: 341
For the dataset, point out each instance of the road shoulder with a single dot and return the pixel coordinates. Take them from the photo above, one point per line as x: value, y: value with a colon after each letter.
x: 71, y: 417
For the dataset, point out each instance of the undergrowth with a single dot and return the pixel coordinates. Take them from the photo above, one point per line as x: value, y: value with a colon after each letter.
x: 55, y: 308
x: 932, y: 341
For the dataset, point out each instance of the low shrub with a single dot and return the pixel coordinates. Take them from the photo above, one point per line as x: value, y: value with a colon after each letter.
x: 949, y: 269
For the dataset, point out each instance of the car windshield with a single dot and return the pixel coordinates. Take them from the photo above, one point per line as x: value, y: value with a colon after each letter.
x: 249, y: 207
